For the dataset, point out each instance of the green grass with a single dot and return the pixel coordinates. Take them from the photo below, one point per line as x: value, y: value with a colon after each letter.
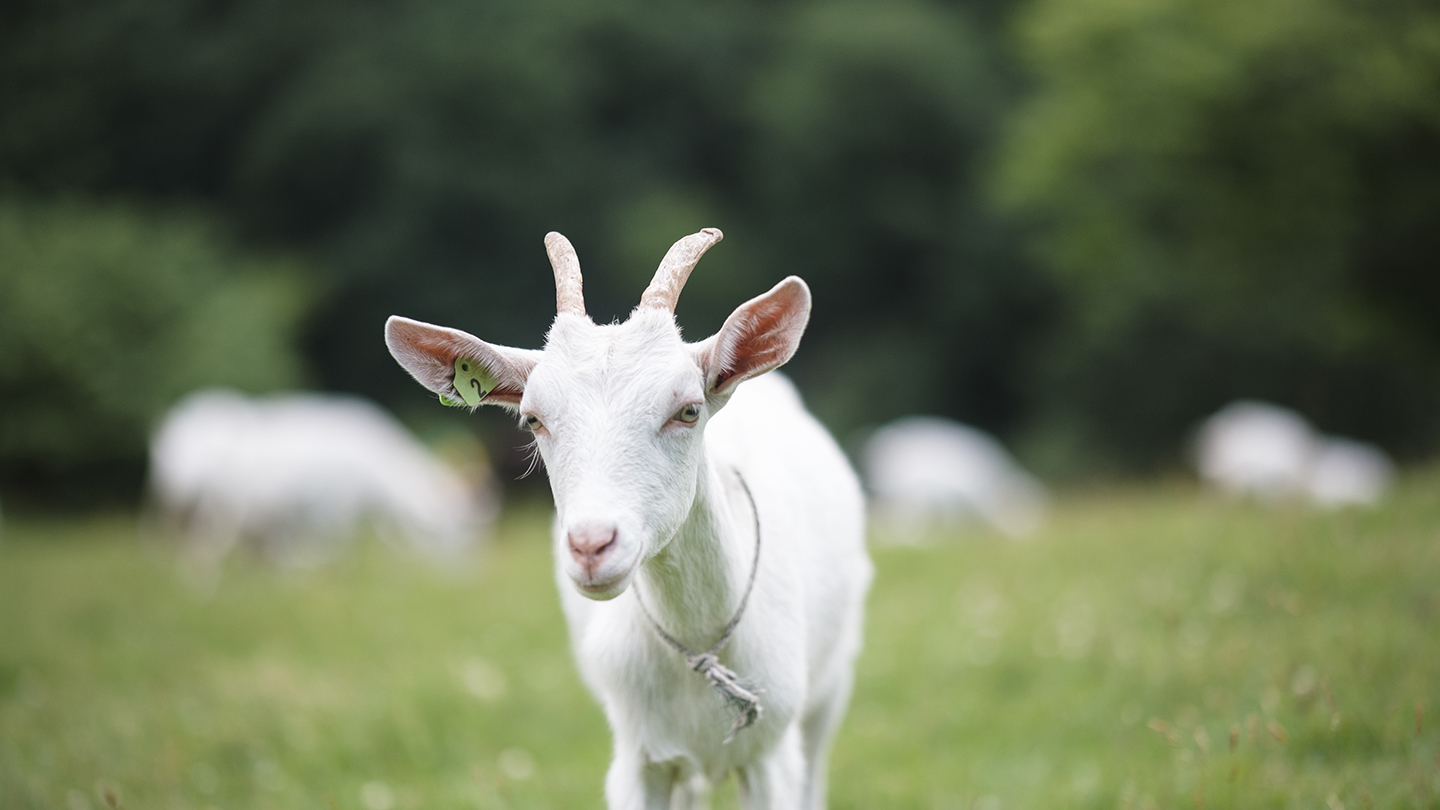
x: 1152, y: 648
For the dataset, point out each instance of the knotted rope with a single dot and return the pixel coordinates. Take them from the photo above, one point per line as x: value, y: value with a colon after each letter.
x: 741, y: 695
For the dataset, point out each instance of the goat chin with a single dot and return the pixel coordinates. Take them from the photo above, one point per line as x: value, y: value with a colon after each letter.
x: 606, y: 589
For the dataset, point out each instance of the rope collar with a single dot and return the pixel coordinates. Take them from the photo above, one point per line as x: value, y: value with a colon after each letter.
x: 739, y: 694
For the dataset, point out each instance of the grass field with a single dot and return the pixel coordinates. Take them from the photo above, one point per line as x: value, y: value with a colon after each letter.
x: 1152, y: 648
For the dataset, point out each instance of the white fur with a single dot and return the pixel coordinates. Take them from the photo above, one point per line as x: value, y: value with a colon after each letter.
x: 298, y: 473
x: 606, y: 398
x: 1344, y: 472
x: 1256, y: 449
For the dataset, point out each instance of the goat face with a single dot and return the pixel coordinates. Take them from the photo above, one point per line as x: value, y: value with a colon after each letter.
x: 618, y: 411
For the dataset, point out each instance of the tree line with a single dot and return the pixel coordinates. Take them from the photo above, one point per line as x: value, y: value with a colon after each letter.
x: 1082, y: 225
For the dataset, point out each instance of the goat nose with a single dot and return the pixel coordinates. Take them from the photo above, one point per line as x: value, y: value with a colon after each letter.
x: 590, y: 542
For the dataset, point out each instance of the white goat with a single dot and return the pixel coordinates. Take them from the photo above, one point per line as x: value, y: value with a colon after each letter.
x: 1273, y: 454
x: 1256, y: 449
x: 298, y: 473
x: 660, y: 493
x: 1344, y: 472
x: 925, y: 471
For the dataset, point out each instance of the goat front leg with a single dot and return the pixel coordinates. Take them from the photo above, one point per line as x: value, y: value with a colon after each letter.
x: 777, y: 781
x: 635, y: 783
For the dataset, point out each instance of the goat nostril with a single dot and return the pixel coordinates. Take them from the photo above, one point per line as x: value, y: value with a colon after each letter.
x: 589, y: 543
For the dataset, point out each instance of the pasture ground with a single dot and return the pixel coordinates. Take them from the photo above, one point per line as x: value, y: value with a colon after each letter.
x: 1152, y: 648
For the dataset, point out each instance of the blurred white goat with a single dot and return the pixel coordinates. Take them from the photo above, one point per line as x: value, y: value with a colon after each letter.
x: 926, y: 472
x: 1254, y: 449
x: 669, y: 464
x: 1348, y: 473
x: 299, y: 473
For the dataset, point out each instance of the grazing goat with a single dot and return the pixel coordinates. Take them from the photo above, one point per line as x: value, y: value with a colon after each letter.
x: 926, y: 472
x: 1256, y: 449
x: 693, y: 513
x: 1345, y: 472
x: 296, y: 474
x: 1273, y: 454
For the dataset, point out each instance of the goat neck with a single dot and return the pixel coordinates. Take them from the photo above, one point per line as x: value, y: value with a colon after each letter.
x: 695, y: 582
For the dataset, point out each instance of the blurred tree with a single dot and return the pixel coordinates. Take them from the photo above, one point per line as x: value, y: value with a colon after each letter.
x: 1241, y: 199
x: 873, y: 123
x: 1235, y: 198
x: 106, y: 317
x: 421, y: 149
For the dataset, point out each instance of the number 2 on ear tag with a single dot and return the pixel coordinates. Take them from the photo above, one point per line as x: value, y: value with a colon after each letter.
x: 472, y: 381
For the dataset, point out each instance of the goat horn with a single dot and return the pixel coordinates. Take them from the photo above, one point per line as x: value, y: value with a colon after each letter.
x: 675, y: 268
x: 569, y: 295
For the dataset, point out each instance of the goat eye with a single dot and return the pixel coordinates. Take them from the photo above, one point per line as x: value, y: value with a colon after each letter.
x: 688, y: 414
x: 532, y: 422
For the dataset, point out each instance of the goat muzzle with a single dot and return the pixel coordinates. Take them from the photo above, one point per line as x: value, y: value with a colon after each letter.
x: 591, y: 543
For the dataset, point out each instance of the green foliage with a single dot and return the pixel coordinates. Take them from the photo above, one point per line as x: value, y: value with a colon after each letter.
x: 872, y: 123
x: 1240, y: 198
x: 107, y: 315
x: 422, y: 149
x: 1105, y: 662
x: 1228, y: 198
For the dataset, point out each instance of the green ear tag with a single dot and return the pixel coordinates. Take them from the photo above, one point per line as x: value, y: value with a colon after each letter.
x: 472, y: 381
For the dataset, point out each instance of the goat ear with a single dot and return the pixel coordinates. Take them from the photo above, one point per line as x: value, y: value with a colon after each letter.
x: 435, y: 356
x: 760, y: 335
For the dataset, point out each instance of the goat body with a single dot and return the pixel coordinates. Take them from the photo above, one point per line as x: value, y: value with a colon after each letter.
x: 298, y: 473
x: 797, y: 641
x: 1260, y: 450
x: 928, y: 472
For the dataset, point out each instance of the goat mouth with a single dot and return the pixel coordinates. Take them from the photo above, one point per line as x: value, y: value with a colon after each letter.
x: 610, y: 587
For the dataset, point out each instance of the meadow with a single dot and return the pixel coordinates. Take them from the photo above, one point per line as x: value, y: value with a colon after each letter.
x: 1153, y: 647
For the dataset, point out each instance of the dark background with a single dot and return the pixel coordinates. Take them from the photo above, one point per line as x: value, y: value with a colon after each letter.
x: 1080, y: 225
